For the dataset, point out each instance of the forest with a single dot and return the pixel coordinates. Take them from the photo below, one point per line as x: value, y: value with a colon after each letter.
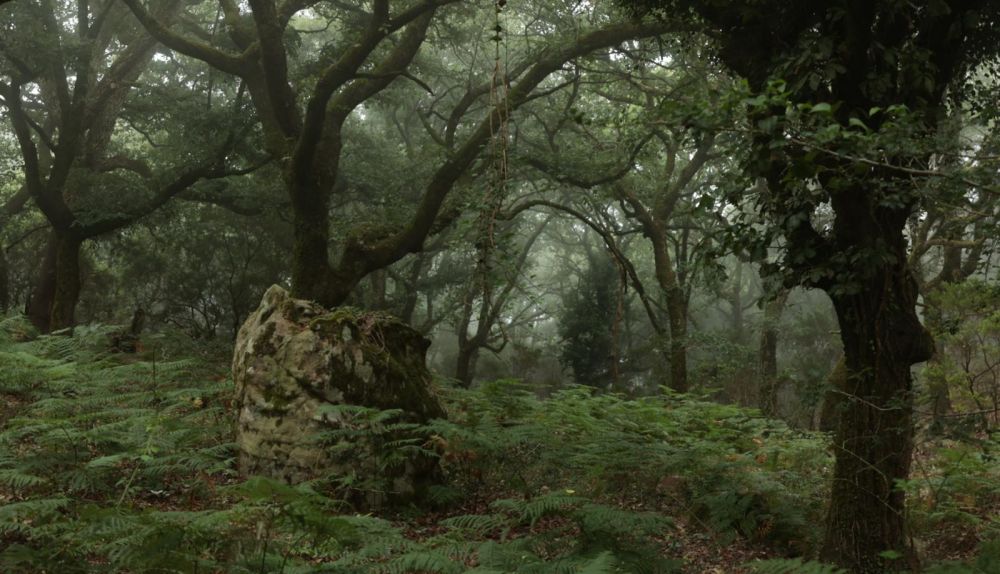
x: 500, y: 286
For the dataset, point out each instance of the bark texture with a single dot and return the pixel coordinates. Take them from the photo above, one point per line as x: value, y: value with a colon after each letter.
x: 882, y: 337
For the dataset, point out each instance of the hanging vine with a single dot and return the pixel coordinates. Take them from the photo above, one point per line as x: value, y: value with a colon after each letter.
x: 496, y: 187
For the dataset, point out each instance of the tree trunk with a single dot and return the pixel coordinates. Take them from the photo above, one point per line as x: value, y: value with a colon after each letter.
x: 4, y: 282
x: 676, y: 302
x: 768, y: 354
x: 410, y: 289
x: 378, y: 287
x: 882, y: 338
x: 57, y: 289
x: 68, y: 283
x: 39, y: 308
x: 828, y: 415
x: 677, y: 318
x: 468, y: 345
x: 10, y: 208
x: 465, y: 364
x: 737, y: 331
x: 310, y: 256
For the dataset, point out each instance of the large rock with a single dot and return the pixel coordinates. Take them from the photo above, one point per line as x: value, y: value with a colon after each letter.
x: 293, y: 358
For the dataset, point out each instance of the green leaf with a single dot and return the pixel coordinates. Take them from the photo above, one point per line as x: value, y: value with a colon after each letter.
x: 858, y: 124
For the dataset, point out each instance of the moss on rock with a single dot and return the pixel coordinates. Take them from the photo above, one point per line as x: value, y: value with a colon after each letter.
x: 294, y: 357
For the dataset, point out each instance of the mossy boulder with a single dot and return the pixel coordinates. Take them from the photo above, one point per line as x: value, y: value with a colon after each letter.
x: 294, y: 358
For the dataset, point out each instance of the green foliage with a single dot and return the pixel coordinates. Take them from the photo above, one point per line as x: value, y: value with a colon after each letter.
x: 793, y: 566
x: 966, y: 327
x: 949, y: 492
x: 121, y: 465
x: 553, y: 532
x: 986, y: 562
x: 375, y: 446
x: 124, y: 465
x: 586, y: 324
x: 728, y: 468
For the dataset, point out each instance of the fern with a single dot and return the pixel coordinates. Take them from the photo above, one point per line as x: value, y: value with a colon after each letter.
x: 426, y: 561
x: 140, y: 439
x: 986, y: 562
x: 604, y: 563
x: 476, y: 524
x: 530, y: 511
x: 793, y: 566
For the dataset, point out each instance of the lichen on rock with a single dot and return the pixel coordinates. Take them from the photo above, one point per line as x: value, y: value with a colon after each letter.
x: 294, y: 358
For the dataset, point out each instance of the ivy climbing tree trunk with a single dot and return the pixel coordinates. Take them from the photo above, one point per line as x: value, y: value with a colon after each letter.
x: 882, y: 337
x: 886, y: 55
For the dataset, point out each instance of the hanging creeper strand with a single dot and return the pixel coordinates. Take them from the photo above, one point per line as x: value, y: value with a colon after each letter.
x: 499, y: 139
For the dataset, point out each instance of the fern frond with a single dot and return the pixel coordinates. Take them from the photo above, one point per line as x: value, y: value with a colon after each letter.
x: 530, y: 511
x: 427, y: 561
x: 793, y: 566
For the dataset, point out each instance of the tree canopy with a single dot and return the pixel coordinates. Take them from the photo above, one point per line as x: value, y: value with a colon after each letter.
x: 675, y: 228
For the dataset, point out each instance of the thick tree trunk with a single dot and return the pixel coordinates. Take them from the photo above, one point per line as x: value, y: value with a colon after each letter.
x: 68, y: 283
x: 39, y: 307
x: 310, y: 255
x: 57, y: 289
x: 677, y: 318
x: 882, y: 338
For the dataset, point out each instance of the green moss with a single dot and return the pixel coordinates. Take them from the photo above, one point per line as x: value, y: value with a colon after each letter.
x: 353, y: 317
x: 264, y: 347
x: 277, y: 400
x: 378, y: 334
x: 370, y: 232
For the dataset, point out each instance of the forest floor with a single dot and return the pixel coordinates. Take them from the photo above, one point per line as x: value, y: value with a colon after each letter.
x: 112, y: 463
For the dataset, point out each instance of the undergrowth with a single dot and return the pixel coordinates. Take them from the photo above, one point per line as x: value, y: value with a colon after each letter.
x: 118, y: 463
